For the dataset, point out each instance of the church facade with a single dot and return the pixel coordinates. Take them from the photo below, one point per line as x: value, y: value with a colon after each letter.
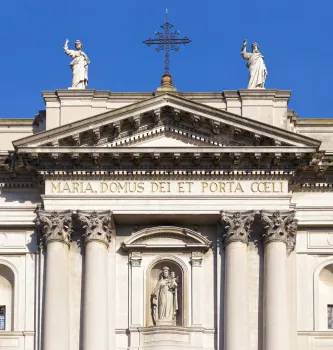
x: 166, y: 220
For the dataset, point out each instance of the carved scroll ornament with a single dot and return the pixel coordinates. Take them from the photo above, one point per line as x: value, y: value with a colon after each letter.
x: 196, y: 258
x: 279, y: 228
x: 55, y: 226
x: 96, y: 226
x: 236, y: 226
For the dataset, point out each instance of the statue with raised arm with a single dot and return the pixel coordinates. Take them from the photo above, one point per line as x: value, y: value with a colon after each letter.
x: 79, y: 65
x: 256, y: 66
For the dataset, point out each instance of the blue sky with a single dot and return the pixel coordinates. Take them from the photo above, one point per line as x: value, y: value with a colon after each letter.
x: 294, y: 36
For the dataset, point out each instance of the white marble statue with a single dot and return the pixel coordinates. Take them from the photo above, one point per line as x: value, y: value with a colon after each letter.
x: 174, y: 288
x: 79, y: 65
x: 164, y: 299
x: 256, y: 65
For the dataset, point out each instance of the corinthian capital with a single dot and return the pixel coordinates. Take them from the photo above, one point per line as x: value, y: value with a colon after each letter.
x: 279, y: 227
x: 97, y: 226
x: 236, y: 226
x: 55, y: 226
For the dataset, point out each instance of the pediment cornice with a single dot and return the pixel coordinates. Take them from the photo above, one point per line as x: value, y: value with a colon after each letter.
x: 205, y: 138
x: 160, y: 110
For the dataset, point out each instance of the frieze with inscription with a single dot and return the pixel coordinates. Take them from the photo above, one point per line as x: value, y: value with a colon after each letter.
x: 171, y: 188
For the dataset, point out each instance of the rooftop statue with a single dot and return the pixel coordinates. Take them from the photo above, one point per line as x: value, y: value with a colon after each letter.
x: 79, y: 65
x: 256, y: 65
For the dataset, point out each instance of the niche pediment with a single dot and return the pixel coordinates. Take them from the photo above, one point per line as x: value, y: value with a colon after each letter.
x: 166, y: 238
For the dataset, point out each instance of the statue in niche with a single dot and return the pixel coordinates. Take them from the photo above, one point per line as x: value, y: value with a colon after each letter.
x: 256, y: 65
x: 165, y: 299
x: 79, y: 65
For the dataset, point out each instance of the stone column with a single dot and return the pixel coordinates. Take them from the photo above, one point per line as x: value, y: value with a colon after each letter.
x: 97, y: 235
x: 236, y: 230
x: 279, y: 235
x: 56, y: 229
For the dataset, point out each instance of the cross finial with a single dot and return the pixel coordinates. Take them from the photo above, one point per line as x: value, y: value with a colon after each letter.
x: 167, y: 41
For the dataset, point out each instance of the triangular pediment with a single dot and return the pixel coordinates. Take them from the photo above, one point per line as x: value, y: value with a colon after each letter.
x: 187, y: 122
x: 167, y: 132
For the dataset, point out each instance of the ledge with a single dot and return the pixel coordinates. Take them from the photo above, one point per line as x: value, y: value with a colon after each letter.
x: 15, y: 333
x: 181, y: 329
x: 16, y: 121
x: 316, y: 333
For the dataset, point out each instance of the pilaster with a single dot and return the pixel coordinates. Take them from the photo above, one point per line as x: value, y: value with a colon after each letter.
x: 197, y: 281
x: 137, y: 287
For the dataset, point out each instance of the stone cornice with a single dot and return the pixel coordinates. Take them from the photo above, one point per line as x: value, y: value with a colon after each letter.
x: 279, y: 227
x: 212, y: 174
x: 265, y: 94
x: 222, y: 150
x: 55, y: 226
x: 236, y: 226
x: 90, y: 94
x: 97, y: 226
x: 14, y: 122
x: 166, y: 158
x: 57, y: 95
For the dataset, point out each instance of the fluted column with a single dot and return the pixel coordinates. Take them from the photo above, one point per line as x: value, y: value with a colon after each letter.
x: 236, y: 230
x: 279, y: 235
x: 97, y: 235
x: 56, y: 228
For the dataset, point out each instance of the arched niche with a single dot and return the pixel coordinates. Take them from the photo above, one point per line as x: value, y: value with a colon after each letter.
x: 7, y: 294
x: 323, y: 294
x: 179, y: 247
x: 153, y: 275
